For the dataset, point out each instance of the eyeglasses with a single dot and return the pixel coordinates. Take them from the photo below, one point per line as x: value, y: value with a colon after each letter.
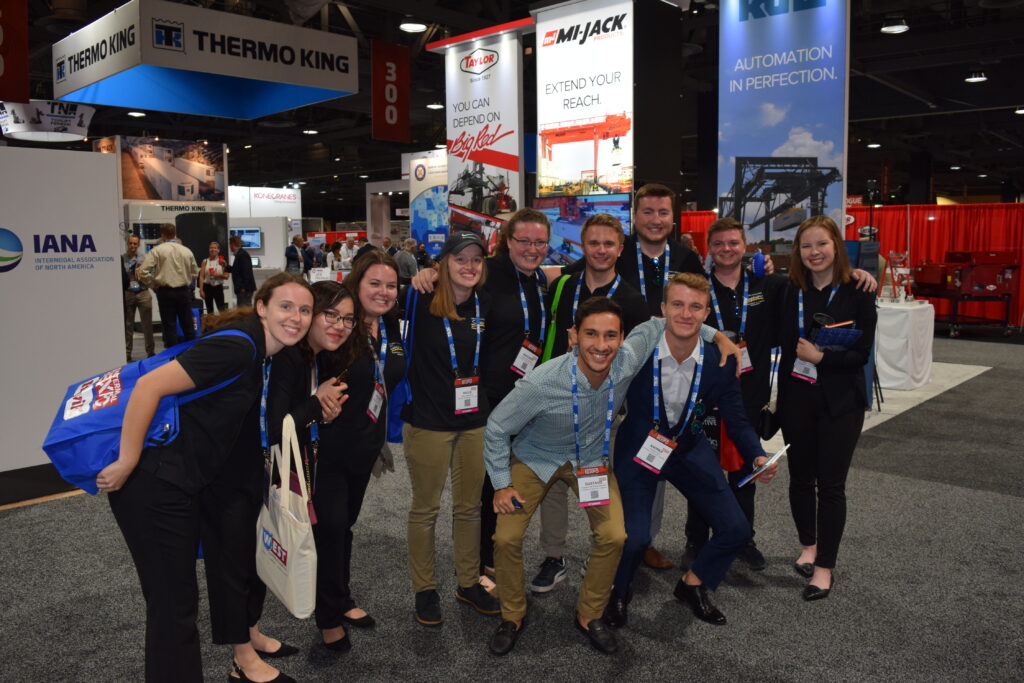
x: 536, y: 244
x: 332, y: 318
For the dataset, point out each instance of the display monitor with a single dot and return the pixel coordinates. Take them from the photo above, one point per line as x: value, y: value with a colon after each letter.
x: 251, y: 237
x: 255, y: 261
x: 567, y: 215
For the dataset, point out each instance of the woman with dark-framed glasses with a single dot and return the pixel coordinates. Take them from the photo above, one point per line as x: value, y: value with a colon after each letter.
x: 827, y: 334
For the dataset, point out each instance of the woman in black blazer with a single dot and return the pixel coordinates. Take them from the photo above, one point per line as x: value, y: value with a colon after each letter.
x: 822, y: 393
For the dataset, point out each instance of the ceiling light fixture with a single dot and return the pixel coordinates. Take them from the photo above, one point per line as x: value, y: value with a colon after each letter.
x: 137, y: 114
x: 441, y: 145
x: 983, y: 175
x: 412, y: 27
x: 954, y: 168
x: 874, y: 145
x: 246, y: 146
x: 976, y: 77
x: 1019, y: 110
x: 435, y: 105
x: 895, y: 26
x: 364, y: 176
x: 310, y: 131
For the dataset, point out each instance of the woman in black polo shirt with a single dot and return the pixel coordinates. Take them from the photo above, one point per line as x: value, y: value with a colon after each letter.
x: 822, y: 393
x: 444, y: 424
x: 156, y: 492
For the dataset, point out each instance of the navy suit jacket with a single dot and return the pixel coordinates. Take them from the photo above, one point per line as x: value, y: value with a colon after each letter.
x: 718, y: 388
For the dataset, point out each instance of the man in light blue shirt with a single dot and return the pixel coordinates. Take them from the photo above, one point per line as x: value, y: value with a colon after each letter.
x: 561, y: 415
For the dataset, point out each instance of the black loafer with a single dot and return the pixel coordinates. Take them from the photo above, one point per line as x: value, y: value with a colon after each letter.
x: 477, y: 597
x: 699, y: 600
x: 428, y: 608
x: 599, y: 635
x: 814, y: 593
x: 341, y: 645
x: 504, y: 639
x: 616, y: 613
x: 804, y: 569
x: 284, y: 651
x: 365, y: 621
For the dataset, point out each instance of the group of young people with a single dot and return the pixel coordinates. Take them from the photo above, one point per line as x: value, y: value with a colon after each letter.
x: 517, y: 374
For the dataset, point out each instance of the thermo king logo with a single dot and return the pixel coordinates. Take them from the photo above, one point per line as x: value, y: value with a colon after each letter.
x: 169, y: 35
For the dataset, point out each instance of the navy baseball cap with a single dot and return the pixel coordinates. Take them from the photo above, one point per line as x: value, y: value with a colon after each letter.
x: 459, y: 241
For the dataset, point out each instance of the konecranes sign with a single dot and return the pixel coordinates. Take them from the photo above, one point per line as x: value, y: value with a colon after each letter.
x: 165, y: 56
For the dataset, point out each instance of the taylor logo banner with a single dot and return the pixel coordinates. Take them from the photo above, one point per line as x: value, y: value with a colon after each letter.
x: 484, y: 119
x: 585, y: 99
x: 390, y: 81
x: 14, y: 51
x: 782, y: 113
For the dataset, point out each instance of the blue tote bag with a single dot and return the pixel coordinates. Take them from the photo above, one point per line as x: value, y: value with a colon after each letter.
x: 402, y: 394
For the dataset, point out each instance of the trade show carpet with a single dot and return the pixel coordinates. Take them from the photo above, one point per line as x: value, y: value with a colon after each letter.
x: 928, y: 586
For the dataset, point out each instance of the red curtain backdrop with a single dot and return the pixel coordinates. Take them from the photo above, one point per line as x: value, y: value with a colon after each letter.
x: 933, y: 230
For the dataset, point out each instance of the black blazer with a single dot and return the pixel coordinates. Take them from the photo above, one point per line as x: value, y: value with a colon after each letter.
x: 840, y: 373
x: 241, y: 272
x: 718, y: 387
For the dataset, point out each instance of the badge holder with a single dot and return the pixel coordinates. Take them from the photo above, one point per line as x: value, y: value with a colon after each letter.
x: 655, y: 451
x: 526, y: 360
x: 467, y: 395
x: 593, y: 486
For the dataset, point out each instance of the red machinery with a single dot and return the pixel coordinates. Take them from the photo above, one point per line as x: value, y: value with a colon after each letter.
x: 970, y: 276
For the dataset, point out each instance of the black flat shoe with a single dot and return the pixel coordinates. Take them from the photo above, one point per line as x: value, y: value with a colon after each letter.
x: 284, y: 651
x: 365, y: 621
x: 599, y: 635
x: 504, y: 639
x: 805, y: 569
x: 239, y: 676
x: 341, y: 645
x: 616, y: 614
x: 699, y: 599
x: 814, y: 593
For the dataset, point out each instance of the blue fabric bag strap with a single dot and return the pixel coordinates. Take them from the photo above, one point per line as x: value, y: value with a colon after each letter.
x: 192, y: 396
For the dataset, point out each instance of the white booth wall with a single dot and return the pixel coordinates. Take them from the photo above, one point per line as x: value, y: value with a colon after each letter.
x: 63, y: 311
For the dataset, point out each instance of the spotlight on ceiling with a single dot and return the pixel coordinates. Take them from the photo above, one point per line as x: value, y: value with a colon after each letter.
x: 364, y: 176
x: 954, y: 168
x: 1019, y: 110
x: 874, y: 145
x: 410, y: 26
x: 435, y: 105
x: 976, y: 77
x: 246, y: 146
x: 441, y: 145
x: 983, y: 175
x: 895, y: 25
x: 310, y: 131
x: 136, y: 114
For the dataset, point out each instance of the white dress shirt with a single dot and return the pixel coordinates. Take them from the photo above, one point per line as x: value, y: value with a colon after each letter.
x: 676, y: 379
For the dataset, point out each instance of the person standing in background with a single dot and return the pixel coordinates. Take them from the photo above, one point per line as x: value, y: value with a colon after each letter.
x: 295, y: 257
x: 348, y: 253
x: 211, y: 279
x: 136, y: 296
x: 390, y: 249
x: 241, y: 273
x: 169, y: 268
x: 407, y: 266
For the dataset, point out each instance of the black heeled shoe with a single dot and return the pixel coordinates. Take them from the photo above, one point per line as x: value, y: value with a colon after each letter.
x: 343, y: 644
x: 285, y: 650
x: 812, y: 592
x: 238, y: 676
x: 804, y: 569
x: 365, y: 621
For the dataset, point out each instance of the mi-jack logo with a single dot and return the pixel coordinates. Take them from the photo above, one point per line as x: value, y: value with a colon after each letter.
x: 759, y: 9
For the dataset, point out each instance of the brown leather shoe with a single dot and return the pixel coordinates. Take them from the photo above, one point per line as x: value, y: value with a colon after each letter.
x: 654, y: 559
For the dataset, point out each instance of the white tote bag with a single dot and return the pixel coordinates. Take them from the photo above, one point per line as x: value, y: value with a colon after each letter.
x: 285, y: 551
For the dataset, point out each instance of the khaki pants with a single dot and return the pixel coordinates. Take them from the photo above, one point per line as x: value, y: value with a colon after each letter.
x: 142, y: 301
x: 608, y: 534
x: 430, y: 456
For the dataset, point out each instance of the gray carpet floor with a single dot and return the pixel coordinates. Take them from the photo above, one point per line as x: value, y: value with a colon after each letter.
x: 928, y: 586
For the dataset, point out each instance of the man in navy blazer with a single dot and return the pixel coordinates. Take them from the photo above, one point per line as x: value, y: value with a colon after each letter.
x: 662, y: 437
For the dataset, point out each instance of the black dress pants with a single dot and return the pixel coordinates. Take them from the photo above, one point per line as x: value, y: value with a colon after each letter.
x: 160, y: 523
x: 175, y: 304
x: 821, y: 450
x: 214, y: 295
x: 337, y: 500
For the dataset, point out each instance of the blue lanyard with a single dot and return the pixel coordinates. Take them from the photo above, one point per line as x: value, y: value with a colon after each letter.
x: 451, y: 340
x: 800, y: 308
x: 640, y: 266
x: 694, y: 388
x: 576, y: 417
x: 314, y: 429
x: 579, y: 286
x: 378, y: 367
x: 743, y: 314
x: 264, y: 438
x: 526, y: 310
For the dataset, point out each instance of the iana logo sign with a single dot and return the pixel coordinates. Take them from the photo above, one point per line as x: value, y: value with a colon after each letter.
x: 10, y: 250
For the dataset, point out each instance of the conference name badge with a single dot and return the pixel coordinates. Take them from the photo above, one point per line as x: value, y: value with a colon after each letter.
x: 806, y: 371
x: 467, y: 395
x: 593, y: 486
x: 376, y: 402
x: 747, y: 365
x: 655, y: 451
x: 526, y: 360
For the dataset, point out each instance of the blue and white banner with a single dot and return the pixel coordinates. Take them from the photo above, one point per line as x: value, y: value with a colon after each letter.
x: 428, y: 200
x: 782, y: 113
